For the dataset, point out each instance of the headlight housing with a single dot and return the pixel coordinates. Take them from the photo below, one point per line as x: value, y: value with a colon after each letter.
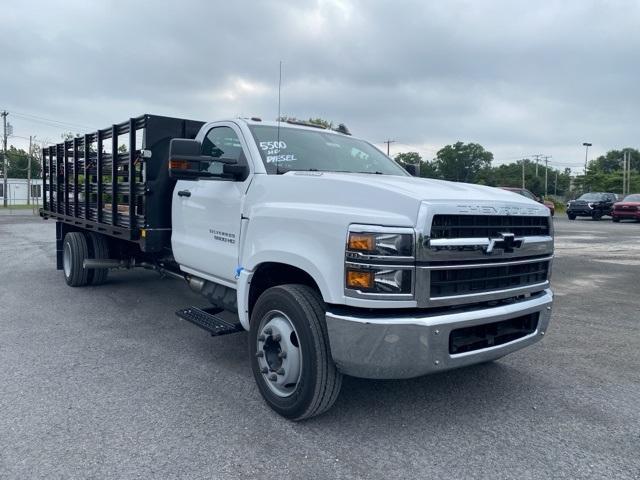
x: 377, y: 279
x: 380, y: 245
x: 380, y: 262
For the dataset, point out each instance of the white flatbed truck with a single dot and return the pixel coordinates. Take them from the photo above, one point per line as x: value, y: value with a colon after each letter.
x: 332, y: 257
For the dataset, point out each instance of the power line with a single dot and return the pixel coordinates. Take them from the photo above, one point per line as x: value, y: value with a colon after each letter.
x: 50, y: 121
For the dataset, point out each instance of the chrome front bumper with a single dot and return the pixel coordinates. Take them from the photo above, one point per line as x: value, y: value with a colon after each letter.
x: 400, y: 346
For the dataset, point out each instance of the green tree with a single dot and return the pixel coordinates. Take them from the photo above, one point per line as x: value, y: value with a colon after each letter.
x: 510, y: 175
x: 462, y: 162
x: 69, y: 136
x: 427, y: 169
x: 18, y: 163
x: 612, y: 161
x: 315, y: 121
x: 604, y: 174
x: 322, y: 122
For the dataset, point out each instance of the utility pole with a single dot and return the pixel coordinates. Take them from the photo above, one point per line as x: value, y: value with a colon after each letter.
x: 389, y: 142
x: 29, y: 170
x: 537, y: 157
x: 555, y: 185
x: 629, y: 171
x: 546, y: 172
x: 586, y: 146
x: 624, y: 172
x: 5, y: 192
x: 523, y: 162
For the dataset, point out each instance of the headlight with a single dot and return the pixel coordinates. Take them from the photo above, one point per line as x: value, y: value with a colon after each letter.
x: 380, y: 244
x: 379, y: 262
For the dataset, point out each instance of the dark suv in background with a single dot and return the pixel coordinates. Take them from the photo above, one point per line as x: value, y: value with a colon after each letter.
x: 593, y: 204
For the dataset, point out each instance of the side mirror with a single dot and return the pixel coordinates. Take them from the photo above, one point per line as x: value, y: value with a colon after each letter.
x: 412, y: 169
x: 187, y: 162
x: 236, y: 172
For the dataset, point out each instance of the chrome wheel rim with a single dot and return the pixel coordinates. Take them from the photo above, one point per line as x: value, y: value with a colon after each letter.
x: 278, y: 353
x: 66, y: 260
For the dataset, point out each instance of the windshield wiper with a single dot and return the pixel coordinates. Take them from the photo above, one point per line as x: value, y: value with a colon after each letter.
x: 327, y: 171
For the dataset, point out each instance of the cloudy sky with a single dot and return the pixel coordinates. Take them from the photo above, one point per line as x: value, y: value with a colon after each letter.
x: 518, y: 77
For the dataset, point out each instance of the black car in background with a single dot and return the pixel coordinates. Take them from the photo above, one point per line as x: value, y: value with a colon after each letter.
x: 593, y: 204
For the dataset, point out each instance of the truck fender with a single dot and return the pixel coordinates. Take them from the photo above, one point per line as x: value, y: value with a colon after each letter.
x: 245, y: 274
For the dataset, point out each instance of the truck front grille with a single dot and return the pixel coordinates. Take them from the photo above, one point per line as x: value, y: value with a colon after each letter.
x: 445, y: 283
x: 484, y: 226
x: 478, y: 337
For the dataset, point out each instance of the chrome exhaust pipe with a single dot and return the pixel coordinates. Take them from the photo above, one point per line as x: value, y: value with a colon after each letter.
x: 196, y: 283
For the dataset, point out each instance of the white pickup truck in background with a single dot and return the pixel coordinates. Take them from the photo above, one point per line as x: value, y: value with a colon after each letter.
x: 332, y: 256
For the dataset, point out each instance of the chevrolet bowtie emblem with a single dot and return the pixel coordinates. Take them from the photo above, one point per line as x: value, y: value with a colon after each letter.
x: 507, y: 242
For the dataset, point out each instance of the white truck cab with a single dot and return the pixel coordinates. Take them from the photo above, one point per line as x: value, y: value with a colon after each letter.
x: 337, y: 261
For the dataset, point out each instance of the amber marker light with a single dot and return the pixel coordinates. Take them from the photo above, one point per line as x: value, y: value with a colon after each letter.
x: 362, y: 242
x: 179, y: 165
x: 359, y: 279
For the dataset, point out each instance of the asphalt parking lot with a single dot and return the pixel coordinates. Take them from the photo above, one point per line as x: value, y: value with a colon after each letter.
x: 106, y: 382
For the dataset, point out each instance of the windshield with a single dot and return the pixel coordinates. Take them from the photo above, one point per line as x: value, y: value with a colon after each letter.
x: 632, y: 198
x: 591, y: 197
x: 322, y: 151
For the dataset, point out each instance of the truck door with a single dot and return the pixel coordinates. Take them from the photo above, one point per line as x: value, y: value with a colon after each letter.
x: 206, y: 213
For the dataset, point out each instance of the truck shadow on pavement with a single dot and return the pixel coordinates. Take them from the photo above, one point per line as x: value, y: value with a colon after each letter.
x: 485, y: 389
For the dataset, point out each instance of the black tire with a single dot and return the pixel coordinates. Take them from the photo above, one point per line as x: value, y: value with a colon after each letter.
x: 74, y: 253
x: 597, y: 215
x: 615, y: 219
x: 98, y: 249
x: 571, y: 216
x: 319, y: 382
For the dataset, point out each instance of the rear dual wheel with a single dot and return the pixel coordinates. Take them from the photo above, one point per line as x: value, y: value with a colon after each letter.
x: 78, y: 247
x: 290, y: 355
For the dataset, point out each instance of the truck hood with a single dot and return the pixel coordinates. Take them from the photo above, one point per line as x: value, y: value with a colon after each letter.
x: 376, y: 199
x: 429, y: 189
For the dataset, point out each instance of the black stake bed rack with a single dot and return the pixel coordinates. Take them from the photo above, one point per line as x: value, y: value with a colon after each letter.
x: 115, y: 181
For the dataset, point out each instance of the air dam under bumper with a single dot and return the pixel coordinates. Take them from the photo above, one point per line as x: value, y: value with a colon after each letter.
x: 387, y: 347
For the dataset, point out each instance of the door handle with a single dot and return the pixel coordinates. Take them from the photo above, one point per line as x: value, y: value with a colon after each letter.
x: 184, y: 193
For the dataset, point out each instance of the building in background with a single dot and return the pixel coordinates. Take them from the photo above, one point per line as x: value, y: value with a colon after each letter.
x: 17, y: 191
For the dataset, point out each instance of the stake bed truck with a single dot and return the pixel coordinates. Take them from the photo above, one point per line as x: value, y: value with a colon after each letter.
x: 332, y: 257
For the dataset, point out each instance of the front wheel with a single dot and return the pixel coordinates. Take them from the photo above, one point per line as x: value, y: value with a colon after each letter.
x: 571, y: 216
x: 616, y: 219
x: 290, y: 354
x: 597, y: 215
